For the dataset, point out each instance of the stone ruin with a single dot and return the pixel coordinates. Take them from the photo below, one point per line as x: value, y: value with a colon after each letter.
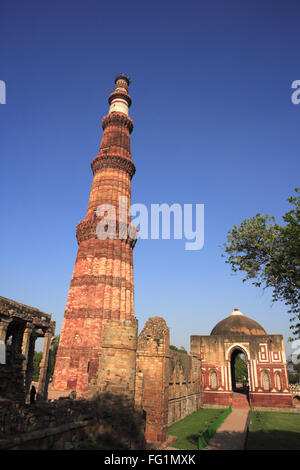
x: 164, y: 387
x: 20, y: 326
x: 64, y: 423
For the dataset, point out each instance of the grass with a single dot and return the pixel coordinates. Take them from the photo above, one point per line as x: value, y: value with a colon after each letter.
x: 189, y: 429
x: 279, y: 431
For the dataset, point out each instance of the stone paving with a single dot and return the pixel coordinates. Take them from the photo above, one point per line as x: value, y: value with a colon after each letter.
x: 231, y: 435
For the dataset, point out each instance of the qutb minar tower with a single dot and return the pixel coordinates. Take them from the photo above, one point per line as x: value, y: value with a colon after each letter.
x: 97, y: 345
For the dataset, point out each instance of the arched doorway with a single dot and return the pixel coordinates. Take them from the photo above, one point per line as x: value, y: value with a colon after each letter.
x: 239, y: 371
x: 296, y: 401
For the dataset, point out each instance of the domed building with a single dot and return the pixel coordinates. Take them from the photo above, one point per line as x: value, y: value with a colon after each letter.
x: 241, y: 364
x: 238, y: 324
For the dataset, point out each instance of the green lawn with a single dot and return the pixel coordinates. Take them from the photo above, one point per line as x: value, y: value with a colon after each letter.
x: 280, y: 431
x: 189, y: 429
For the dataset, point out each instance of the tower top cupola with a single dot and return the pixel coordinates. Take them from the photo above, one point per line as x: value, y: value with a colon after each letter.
x: 120, y: 100
x: 123, y: 76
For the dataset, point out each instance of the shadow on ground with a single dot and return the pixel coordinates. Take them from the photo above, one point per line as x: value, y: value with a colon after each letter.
x: 120, y: 426
x: 227, y: 440
x: 273, y: 440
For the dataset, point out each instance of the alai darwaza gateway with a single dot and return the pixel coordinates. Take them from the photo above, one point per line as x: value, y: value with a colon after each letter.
x: 266, y: 381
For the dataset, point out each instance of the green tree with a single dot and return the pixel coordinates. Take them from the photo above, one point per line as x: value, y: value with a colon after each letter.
x: 181, y: 349
x: 293, y: 364
x: 37, y: 357
x: 240, y: 368
x: 54, y: 351
x: 269, y: 254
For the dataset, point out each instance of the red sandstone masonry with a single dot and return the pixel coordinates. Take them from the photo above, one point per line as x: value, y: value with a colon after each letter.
x: 101, y: 288
x: 265, y: 356
x: 171, y: 380
x: 152, y: 361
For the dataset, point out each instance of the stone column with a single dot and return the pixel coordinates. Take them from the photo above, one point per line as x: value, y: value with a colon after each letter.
x: 30, y: 369
x: 44, y: 364
x: 26, y: 342
x: 4, y: 323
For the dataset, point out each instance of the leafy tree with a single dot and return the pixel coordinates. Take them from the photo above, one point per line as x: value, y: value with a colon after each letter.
x: 293, y: 364
x: 269, y: 254
x: 53, y: 357
x: 37, y: 357
x: 240, y: 368
x: 181, y: 349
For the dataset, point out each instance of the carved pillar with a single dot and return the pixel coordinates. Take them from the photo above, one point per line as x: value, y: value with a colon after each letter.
x: 25, y: 342
x: 4, y: 323
x: 44, y: 365
x: 28, y: 355
x: 29, y: 370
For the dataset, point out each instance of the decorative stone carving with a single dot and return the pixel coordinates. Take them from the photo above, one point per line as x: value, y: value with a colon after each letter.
x: 120, y: 163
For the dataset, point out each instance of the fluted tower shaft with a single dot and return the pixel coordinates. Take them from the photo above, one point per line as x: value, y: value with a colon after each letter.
x: 101, y: 288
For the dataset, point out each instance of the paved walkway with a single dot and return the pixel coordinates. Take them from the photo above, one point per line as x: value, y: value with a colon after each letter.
x: 231, y: 435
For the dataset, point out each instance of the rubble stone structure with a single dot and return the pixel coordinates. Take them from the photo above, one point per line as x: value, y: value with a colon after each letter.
x: 99, y: 332
x: 20, y: 326
x: 264, y: 355
x: 171, y: 380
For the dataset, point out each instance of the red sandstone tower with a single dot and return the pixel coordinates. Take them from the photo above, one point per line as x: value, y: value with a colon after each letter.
x: 98, y: 338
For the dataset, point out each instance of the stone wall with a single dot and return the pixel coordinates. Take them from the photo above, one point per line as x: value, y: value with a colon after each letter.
x: 117, y: 364
x: 12, y: 376
x: 184, y: 386
x: 106, y: 420
x: 171, y: 380
x: 152, y: 361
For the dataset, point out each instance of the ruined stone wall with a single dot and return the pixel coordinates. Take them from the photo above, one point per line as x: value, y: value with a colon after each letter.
x: 12, y: 376
x: 65, y: 423
x: 20, y: 326
x: 117, y: 365
x: 171, y: 380
x: 152, y: 361
x: 184, y: 395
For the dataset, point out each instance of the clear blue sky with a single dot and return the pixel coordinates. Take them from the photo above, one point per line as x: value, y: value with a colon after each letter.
x: 214, y: 124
